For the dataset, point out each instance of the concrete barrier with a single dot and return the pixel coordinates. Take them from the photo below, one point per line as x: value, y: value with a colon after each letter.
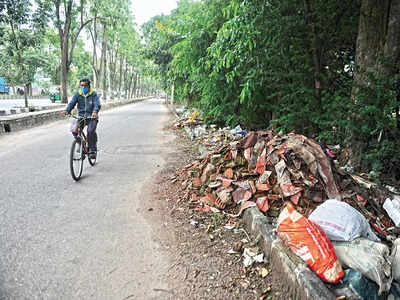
x: 16, y: 122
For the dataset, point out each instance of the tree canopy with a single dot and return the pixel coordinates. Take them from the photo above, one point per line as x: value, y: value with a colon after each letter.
x: 290, y: 66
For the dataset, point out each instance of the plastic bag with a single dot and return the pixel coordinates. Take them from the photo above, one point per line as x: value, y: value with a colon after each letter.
x: 370, y: 258
x: 392, y: 207
x: 355, y: 285
x: 341, y: 222
x: 394, y: 292
x: 308, y: 241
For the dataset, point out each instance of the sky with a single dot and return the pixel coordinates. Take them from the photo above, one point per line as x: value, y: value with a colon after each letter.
x: 143, y: 10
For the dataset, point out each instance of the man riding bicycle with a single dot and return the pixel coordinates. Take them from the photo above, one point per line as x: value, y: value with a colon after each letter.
x: 88, y: 103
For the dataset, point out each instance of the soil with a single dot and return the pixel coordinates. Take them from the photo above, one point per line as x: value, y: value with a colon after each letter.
x: 198, y: 242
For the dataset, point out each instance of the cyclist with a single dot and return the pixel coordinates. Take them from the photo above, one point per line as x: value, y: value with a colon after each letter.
x: 88, y: 103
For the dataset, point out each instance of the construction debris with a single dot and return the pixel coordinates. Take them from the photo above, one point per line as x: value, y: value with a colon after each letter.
x: 238, y: 169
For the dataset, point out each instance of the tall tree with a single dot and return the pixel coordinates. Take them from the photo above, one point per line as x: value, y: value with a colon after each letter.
x: 377, y: 56
x: 68, y: 31
x: 22, y: 32
x: 109, y: 17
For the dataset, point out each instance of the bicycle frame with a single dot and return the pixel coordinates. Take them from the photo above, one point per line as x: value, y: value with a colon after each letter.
x: 82, y: 123
x: 82, y: 135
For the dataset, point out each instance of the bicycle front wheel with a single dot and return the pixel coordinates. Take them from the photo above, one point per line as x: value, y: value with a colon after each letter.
x: 76, y: 160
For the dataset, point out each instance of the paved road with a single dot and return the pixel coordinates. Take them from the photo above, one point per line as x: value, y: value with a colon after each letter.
x: 88, y: 240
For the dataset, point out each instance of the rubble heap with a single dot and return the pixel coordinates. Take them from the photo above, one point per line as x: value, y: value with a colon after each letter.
x: 237, y: 170
x: 269, y: 169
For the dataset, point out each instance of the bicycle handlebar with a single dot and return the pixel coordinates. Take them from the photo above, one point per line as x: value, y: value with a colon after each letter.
x: 78, y: 117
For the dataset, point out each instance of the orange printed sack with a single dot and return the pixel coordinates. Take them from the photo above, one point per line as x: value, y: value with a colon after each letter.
x: 307, y: 240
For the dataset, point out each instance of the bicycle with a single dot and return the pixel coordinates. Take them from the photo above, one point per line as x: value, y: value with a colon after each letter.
x: 80, y: 149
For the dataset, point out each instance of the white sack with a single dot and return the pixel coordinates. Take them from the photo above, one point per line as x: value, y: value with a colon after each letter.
x: 341, y: 222
x: 369, y: 258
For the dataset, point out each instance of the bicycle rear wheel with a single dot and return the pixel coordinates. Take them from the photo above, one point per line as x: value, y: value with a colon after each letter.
x: 92, y: 161
x: 76, y: 160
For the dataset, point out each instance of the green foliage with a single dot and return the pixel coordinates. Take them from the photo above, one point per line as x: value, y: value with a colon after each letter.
x: 21, y: 37
x: 377, y: 123
x: 216, y: 221
x: 250, y: 62
x: 81, y: 67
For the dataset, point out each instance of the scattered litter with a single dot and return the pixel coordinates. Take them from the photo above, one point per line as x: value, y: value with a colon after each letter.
x: 229, y: 227
x: 347, y: 169
x: 362, y: 181
x: 250, y: 257
x: 231, y: 251
x: 392, y: 189
x: 392, y: 207
x: 264, y: 272
x: 194, y: 223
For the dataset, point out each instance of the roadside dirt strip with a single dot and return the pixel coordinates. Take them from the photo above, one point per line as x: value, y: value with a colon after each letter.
x: 206, y: 248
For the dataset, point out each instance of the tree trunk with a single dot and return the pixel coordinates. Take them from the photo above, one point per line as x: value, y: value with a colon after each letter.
x: 64, y: 33
x: 111, y: 70
x: 25, y: 87
x: 315, y: 50
x: 126, y: 78
x: 104, y: 64
x: 391, y: 49
x: 132, y: 85
x: 95, y: 67
x: 23, y: 79
x: 64, y: 70
x: 392, y: 52
x: 372, y: 36
x: 121, y: 64
x: 136, y: 85
x: 172, y: 94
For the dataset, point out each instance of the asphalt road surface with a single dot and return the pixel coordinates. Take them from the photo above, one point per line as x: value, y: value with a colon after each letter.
x: 61, y: 239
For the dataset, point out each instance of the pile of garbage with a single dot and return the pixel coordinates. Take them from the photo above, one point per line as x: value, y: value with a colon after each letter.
x: 294, y: 181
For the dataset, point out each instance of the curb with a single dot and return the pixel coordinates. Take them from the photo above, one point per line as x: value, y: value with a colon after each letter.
x: 27, y: 120
x: 302, y: 283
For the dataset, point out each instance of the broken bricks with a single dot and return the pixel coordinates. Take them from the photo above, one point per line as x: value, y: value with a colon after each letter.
x: 267, y: 170
x: 263, y: 165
